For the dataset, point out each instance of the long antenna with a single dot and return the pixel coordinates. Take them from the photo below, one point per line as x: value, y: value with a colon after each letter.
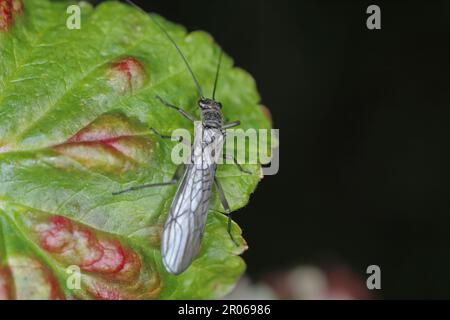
x: 217, y: 74
x: 175, y: 45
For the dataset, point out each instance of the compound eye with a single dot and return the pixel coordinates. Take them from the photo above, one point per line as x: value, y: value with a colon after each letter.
x: 220, y: 105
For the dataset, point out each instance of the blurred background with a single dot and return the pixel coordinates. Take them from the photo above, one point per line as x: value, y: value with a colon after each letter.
x: 363, y: 118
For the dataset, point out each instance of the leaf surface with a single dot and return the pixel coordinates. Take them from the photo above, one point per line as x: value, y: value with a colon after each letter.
x: 76, y: 108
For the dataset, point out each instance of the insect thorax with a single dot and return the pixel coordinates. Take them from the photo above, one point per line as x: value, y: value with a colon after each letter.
x: 212, y: 119
x: 211, y: 113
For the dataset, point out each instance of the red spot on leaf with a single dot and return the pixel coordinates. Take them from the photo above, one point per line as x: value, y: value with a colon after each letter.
x: 8, y: 9
x: 131, y: 266
x: 112, y: 260
x: 104, y: 292
x: 26, y: 271
x: 147, y: 288
x: 57, y: 235
x: 127, y: 75
x: 110, y: 269
x: 6, y: 285
x: 74, y: 244
x: 111, y: 143
x: 55, y: 292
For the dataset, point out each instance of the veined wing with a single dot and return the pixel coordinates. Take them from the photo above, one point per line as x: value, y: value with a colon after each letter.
x: 183, y: 230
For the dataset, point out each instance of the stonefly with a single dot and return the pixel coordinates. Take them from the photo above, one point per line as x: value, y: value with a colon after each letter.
x: 185, y: 225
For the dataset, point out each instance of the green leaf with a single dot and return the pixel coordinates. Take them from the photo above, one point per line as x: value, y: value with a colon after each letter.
x: 75, y: 111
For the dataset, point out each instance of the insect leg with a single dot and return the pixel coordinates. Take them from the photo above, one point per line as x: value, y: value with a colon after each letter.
x: 174, y: 181
x: 231, y: 125
x: 226, y: 207
x: 229, y: 156
x: 181, y: 111
x: 162, y: 136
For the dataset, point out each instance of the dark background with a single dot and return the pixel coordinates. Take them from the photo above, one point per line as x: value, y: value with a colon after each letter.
x: 363, y: 117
